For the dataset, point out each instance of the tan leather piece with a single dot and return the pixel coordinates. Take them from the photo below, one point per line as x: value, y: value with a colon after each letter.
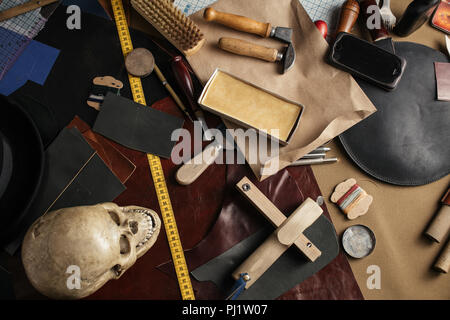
x: 261, y: 110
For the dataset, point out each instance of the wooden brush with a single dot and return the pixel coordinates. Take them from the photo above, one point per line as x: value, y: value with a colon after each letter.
x: 176, y: 27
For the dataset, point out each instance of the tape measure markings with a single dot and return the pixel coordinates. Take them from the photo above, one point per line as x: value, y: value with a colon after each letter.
x: 162, y: 193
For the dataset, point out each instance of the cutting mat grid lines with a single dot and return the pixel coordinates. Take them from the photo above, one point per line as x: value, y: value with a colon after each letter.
x: 326, y: 10
x: 16, y: 33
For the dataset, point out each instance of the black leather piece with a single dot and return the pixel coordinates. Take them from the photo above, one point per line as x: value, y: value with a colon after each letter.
x: 92, y: 51
x: 74, y: 175
x: 367, y: 61
x: 27, y: 154
x: 406, y: 141
x: 137, y: 127
x: 289, y: 270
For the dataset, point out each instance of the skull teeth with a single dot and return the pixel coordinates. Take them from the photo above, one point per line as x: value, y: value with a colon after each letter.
x: 149, y: 224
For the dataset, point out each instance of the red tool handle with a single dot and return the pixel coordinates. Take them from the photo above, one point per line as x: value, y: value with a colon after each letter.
x: 369, y: 9
x: 184, y: 81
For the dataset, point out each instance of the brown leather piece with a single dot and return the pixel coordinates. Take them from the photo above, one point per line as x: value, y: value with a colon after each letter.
x: 120, y: 165
x: 199, y: 211
x: 239, y: 219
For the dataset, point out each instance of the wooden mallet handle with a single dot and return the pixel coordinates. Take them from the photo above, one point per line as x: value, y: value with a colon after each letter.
x: 23, y: 8
x: 239, y: 23
x: 245, y: 48
x: 349, y: 15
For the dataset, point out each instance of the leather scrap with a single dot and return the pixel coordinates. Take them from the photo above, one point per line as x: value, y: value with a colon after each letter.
x: 136, y: 126
x: 120, y: 165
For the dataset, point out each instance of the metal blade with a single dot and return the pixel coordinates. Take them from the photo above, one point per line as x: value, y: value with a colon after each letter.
x: 289, y: 58
x: 283, y: 34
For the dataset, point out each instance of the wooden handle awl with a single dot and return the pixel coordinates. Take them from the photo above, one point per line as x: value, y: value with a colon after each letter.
x: 349, y: 15
x: 245, y: 48
x: 23, y: 8
x: 237, y: 22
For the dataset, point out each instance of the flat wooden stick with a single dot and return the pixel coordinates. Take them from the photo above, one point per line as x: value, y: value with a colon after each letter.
x: 23, y: 8
x: 275, y: 216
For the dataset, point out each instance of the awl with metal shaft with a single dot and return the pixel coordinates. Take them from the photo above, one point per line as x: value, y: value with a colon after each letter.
x: 248, y: 25
x: 184, y: 80
x: 245, y: 48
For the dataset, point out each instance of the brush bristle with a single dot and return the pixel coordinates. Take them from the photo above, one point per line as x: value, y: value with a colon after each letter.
x: 170, y: 21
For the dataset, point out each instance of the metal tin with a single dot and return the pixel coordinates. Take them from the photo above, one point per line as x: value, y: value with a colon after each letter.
x: 358, y: 241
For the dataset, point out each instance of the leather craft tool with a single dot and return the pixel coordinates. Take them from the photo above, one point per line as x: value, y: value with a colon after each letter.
x: 189, y: 172
x: 275, y: 216
x: 358, y: 241
x: 288, y: 232
x: 102, y: 85
x: 172, y: 24
x: 245, y: 48
x: 351, y: 199
x: 23, y: 8
x: 387, y: 16
x: 140, y: 62
x: 185, y: 83
x: 352, y: 54
x: 439, y: 228
x: 248, y: 25
x: 305, y: 162
x: 156, y: 169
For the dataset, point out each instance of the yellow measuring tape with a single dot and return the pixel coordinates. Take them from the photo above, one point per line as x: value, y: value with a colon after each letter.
x: 173, y: 237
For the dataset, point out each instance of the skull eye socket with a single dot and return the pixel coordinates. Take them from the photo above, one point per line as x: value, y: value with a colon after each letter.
x: 115, y: 217
x: 125, y: 246
x: 133, y: 227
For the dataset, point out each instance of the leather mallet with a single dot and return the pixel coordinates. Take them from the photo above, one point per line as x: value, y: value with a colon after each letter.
x: 245, y: 48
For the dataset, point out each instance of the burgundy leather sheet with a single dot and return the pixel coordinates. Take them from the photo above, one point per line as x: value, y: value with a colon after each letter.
x: 120, y: 165
x: 210, y: 205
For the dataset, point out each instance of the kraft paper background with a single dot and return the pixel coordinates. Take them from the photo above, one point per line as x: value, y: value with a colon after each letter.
x: 333, y: 101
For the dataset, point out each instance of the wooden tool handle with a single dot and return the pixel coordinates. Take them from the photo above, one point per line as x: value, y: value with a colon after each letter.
x: 189, y: 172
x: 278, y: 242
x: 245, y: 48
x: 239, y: 23
x: 184, y: 81
x: 440, y: 226
x: 367, y: 13
x: 23, y: 8
x: 349, y: 15
x: 275, y: 216
x: 443, y: 262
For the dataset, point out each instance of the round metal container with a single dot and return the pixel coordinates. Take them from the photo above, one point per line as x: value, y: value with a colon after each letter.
x: 358, y: 241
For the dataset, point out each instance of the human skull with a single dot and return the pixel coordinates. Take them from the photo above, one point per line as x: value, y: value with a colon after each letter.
x: 99, y: 242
